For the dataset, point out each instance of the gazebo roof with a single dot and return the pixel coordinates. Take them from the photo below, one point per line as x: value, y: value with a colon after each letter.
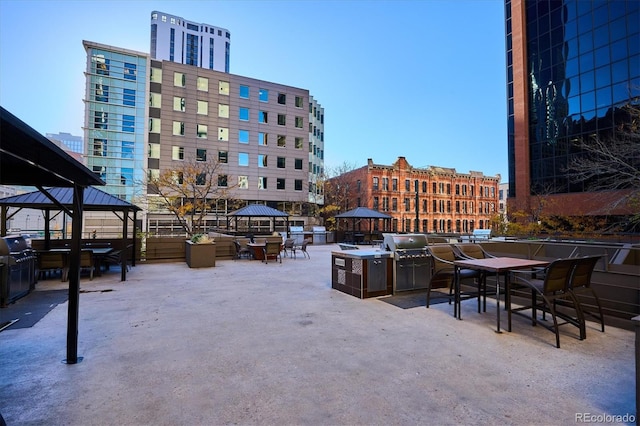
x: 362, y: 213
x: 28, y: 158
x: 258, y: 210
x: 94, y: 200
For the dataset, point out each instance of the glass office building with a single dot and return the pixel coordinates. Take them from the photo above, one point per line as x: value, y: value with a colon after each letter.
x: 572, y: 65
x: 115, y: 118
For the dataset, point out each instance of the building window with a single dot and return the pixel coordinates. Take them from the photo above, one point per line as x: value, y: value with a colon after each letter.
x: 298, y: 101
x: 243, y: 182
x: 263, y: 95
x: 223, y: 111
x: 297, y: 184
x: 154, y: 125
x: 282, y: 141
x: 156, y: 75
x: 178, y: 128
x: 128, y: 123
x: 244, y: 92
x: 407, y: 204
x: 385, y: 184
x: 102, y: 64
x: 126, y: 176
x: 179, y: 79
x: 282, y: 120
x: 177, y: 153
x: 100, y: 147
x: 299, y: 122
x: 394, y: 184
x: 129, y: 97
x: 102, y: 93
x: 202, y: 131
x: 223, y: 134
x: 129, y: 71
x: 298, y: 143
x: 376, y: 183
x: 223, y: 157
x: 179, y: 104
x: 202, y: 84
x: 223, y: 88
x: 222, y: 180
x: 243, y: 136
x: 155, y: 100
x: 263, y: 117
x: 243, y: 114
x: 298, y: 164
x: 394, y: 204
x: 154, y: 150
x: 201, y: 154
x: 281, y: 163
x: 101, y: 120
x: 203, y: 108
x: 263, y: 138
x: 280, y: 183
x: 262, y: 182
x: 282, y: 98
x: 262, y: 160
x: 243, y: 159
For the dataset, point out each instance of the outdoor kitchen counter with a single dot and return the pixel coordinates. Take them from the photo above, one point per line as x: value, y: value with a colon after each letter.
x: 362, y: 273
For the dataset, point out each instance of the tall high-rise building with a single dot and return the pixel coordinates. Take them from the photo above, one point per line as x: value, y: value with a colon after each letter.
x: 177, y: 40
x: 116, y: 110
x: 573, y: 66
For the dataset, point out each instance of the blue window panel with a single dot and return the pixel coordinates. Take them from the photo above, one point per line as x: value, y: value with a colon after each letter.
x: 129, y: 97
x: 128, y: 123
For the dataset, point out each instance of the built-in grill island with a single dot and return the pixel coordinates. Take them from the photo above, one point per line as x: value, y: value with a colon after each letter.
x: 362, y: 273
x: 17, y: 269
x: 411, y: 261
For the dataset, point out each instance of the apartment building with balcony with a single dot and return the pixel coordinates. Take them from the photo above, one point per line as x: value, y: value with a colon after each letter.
x: 429, y: 200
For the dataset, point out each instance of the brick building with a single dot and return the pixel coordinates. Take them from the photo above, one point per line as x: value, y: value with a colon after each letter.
x: 447, y: 201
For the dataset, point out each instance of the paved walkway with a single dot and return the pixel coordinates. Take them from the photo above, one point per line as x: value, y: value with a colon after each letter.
x: 253, y: 343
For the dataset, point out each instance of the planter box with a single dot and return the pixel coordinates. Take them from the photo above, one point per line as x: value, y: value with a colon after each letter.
x: 200, y: 255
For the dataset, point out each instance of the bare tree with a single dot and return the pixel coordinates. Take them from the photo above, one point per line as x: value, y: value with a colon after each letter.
x: 337, y: 188
x: 608, y: 163
x: 189, y: 190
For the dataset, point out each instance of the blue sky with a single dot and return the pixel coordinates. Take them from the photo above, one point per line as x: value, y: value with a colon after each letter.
x: 423, y: 79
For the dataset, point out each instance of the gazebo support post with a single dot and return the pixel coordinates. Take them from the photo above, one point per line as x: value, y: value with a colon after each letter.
x: 123, y: 259
x: 74, y: 277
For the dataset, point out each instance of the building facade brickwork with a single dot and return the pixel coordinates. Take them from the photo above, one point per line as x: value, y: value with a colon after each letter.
x: 427, y: 200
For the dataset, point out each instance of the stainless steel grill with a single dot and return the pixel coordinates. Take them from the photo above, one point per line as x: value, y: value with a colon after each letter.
x: 17, y: 268
x: 411, y: 261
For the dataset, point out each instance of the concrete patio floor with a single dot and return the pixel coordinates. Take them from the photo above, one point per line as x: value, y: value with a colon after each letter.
x: 253, y: 343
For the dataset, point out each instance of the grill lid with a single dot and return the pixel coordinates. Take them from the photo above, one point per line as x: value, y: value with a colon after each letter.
x: 395, y: 242
x: 13, y: 245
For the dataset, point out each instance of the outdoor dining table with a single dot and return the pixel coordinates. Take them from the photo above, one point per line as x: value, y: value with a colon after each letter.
x: 257, y: 250
x: 499, y: 266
